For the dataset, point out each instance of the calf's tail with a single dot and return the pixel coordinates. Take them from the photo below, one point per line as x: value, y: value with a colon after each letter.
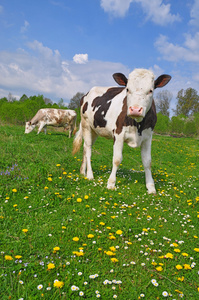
x: 77, y: 140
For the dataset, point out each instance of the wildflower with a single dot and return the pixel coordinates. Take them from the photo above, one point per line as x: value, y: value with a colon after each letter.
x: 114, y: 296
x: 196, y: 249
x: 14, y: 190
x: 56, y: 248
x: 51, y: 266
x: 58, y: 284
x: 113, y: 259
x: 58, y: 165
x: 159, y: 269
x: 179, y: 267
x: 81, y: 293
x: 177, y: 250
x: 79, y: 200
x: 169, y: 255
x: 185, y: 254
x: 20, y: 281
x: 187, y: 267
x: 40, y: 286
x: 181, y: 278
x: 74, y: 288
x: 86, y: 197
x: 25, y: 230
x: 75, y: 239
x: 18, y: 256
x: 165, y: 294
x: 48, y: 288
x: 102, y: 223
x: 79, y: 273
x: 8, y: 257
x: 153, y: 281
x: 112, y: 237
x: 90, y: 236
x: 45, y: 188
x: 119, y: 232
x: 142, y: 295
x: 50, y: 179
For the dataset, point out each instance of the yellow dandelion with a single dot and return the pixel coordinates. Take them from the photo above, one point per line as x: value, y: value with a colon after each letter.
x: 25, y: 230
x: 196, y: 249
x: 181, y: 278
x: 119, y: 232
x: 58, y: 284
x: 8, y: 257
x: 184, y: 254
x: 159, y: 269
x: 86, y: 197
x: 90, y: 236
x: 187, y: 267
x: 75, y: 239
x: 50, y: 266
x: 113, y: 259
x: 177, y: 250
x: 178, y: 267
x: 45, y: 188
x: 79, y: 200
x: 102, y: 223
x: 169, y: 255
x: 56, y: 248
x: 18, y: 256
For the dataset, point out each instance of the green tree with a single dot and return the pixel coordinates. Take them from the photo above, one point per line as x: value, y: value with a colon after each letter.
x: 162, y: 101
x: 188, y: 102
x: 163, y: 124
x: 75, y: 101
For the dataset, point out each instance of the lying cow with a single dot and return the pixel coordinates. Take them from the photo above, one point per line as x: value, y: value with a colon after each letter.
x: 52, y: 117
x: 124, y: 114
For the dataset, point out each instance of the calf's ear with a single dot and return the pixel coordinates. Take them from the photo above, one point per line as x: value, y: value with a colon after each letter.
x: 162, y: 80
x: 120, y: 79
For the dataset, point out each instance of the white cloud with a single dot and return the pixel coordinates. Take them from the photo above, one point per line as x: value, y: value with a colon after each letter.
x: 24, y: 28
x: 45, y: 72
x: 80, y: 58
x: 155, y: 10
x: 116, y: 7
x: 1, y: 9
x: 194, y: 13
x: 158, y: 12
x: 173, y: 52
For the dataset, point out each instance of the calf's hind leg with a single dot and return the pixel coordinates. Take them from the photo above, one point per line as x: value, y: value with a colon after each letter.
x: 89, y: 138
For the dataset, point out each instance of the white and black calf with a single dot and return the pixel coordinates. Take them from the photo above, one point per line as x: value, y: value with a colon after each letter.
x: 52, y: 117
x: 124, y: 114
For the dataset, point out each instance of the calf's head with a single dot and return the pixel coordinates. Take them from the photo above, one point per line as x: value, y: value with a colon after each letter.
x: 139, y: 90
x: 29, y: 127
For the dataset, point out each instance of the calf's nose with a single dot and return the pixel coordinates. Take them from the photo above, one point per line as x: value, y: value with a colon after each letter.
x: 135, y: 111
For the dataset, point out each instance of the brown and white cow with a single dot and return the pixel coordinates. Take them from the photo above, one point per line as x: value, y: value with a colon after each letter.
x: 52, y: 117
x: 124, y: 114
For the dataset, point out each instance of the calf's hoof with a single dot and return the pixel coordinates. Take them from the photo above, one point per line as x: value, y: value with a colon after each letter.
x: 151, y: 189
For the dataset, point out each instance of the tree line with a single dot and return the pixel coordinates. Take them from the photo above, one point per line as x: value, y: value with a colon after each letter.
x: 185, y: 119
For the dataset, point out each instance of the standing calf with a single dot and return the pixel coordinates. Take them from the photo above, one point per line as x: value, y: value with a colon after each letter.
x: 52, y: 117
x: 124, y: 114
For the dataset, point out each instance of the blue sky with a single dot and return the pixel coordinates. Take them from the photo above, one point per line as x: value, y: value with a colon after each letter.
x: 60, y: 47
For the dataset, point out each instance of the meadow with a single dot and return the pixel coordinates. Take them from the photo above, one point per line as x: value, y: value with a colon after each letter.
x: 64, y: 237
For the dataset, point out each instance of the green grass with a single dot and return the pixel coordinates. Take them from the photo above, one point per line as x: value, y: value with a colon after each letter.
x: 41, y: 191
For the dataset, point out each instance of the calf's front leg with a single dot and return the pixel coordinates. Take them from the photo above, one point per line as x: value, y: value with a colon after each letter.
x: 117, y: 158
x: 146, y: 160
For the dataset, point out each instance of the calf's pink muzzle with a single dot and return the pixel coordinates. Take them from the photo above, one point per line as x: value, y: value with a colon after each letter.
x: 135, y: 111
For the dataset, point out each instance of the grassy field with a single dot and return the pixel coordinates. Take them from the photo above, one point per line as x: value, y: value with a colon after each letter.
x: 64, y: 237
